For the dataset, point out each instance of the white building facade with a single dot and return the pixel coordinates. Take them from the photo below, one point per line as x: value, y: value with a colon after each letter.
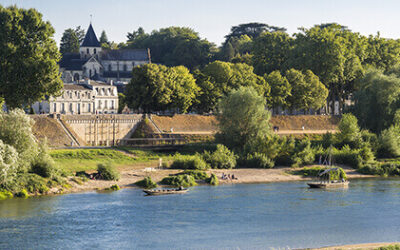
x: 97, y: 64
x: 86, y: 97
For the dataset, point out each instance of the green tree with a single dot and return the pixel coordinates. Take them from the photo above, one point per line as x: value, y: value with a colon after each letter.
x: 280, y: 89
x: 271, y: 51
x: 29, y: 56
x: 377, y: 100
x: 334, y: 54
x: 382, y: 53
x: 103, y: 38
x: 209, y: 93
x: 158, y: 87
x: 69, y: 42
x: 349, y: 131
x: 307, y: 91
x: 173, y: 46
x: 242, y: 118
x: 252, y: 30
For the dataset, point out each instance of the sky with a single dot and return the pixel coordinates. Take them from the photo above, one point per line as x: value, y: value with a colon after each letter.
x: 212, y: 19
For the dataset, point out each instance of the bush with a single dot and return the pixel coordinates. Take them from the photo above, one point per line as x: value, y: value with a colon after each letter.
x: 257, y: 160
x: 4, y: 194
x: 349, y: 132
x: 43, y: 164
x: 309, y: 171
x: 303, y: 154
x: 114, y: 187
x: 389, y: 141
x: 197, y: 174
x: 147, y: 183
x: 213, y: 180
x: 195, y: 162
x: 108, y: 172
x: 33, y: 183
x: 328, y: 140
x: 179, y: 180
x: 385, y: 169
x: 22, y: 194
x: 221, y: 158
x: 339, y: 174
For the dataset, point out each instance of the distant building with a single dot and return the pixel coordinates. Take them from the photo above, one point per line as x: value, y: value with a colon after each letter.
x: 85, y: 97
x: 97, y: 64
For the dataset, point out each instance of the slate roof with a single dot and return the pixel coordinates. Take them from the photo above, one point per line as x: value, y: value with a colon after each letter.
x: 125, y: 55
x: 72, y: 61
x: 90, y: 38
x: 113, y: 74
x: 72, y: 86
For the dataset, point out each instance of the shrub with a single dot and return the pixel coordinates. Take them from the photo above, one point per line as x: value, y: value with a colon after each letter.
x: 4, y: 194
x: 339, y: 174
x: 197, y: 174
x: 349, y: 132
x: 328, y: 139
x: 108, y: 172
x: 22, y: 194
x: 33, y: 183
x: 179, y: 180
x: 147, y: 183
x: 258, y: 160
x: 221, y: 158
x: 114, y: 187
x: 309, y: 171
x: 43, y: 164
x: 303, y: 155
x: 389, y: 141
x: 195, y: 162
x: 213, y: 180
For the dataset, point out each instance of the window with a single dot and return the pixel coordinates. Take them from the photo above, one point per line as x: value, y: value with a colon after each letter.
x: 62, y: 107
x: 78, y: 108
x: 125, y: 67
x: 95, y: 71
x: 87, y: 51
x: 94, y: 51
x: 90, y: 72
x: 105, y: 104
x: 70, y: 107
x: 54, y: 107
x: 109, y: 67
x: 112, y: 104
x: 99, y: 106
x: 133, y: 64
x: 88, y: 107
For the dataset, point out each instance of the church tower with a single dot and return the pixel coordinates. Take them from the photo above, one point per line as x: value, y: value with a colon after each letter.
x: 90, y: 45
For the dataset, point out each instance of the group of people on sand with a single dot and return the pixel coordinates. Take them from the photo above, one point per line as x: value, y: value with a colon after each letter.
x: 228, y: 177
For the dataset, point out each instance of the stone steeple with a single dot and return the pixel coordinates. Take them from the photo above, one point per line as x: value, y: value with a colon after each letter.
x: 90, y: 45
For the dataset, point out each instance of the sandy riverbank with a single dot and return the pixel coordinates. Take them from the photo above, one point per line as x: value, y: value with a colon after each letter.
x: 365, y: 246
x: 130, y: 175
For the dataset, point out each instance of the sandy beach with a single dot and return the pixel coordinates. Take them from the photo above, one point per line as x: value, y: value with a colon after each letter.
x: 132, y: 174
x: 365, y: 246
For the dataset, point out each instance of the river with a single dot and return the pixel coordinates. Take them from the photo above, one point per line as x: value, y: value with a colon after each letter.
x: 242, y: 216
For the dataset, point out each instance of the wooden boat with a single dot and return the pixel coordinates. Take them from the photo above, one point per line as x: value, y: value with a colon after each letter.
x: 328, y: 184
x: 165, y: 191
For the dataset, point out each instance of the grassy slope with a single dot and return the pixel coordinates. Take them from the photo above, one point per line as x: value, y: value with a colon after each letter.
x: 71, y: 160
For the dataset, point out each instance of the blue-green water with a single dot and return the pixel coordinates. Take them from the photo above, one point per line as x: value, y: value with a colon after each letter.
x: 252, y: 216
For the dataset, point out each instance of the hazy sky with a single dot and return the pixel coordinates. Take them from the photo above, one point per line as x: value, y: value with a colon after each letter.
x: 212, y: 19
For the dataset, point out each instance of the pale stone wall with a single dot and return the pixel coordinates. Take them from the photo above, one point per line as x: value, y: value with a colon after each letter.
x: 102, y: 130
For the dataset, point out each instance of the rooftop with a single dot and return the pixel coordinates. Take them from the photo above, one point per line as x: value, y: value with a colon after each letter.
x: 90, y: 38
x: 126, y: 55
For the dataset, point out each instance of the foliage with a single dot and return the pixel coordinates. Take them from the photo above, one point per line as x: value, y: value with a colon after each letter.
x: 33, y: 183
x: 147, y: 183
x: 377, y: 100
x: 339, y: 174
x: 9, y: 161
x: 242, y: 118
x: 349, y: 132
x: 303, y: 154
x: 280, y: 89
x: 389, y: 141
x: 143, y: 129
x: 252, y: 30
x: 104, y: 39
x: 71, y: 40
x: 197, y: 174
x: 179, y: 180
x: 173, y: 46
x: 257, y: 160
x: 114, y: 187
x: 43, y: 164
x: 213, y: 180
x: 390, y: 247
x: 309, y: 171
x: 221, y: 158
x: 4, y: 194
x: 194, y: 162
x: 156, y: 88
x: 108, y: 172
x: 307, y: 91
x: 270, y: 51
x: 29, y: 57
x: 22, y: 194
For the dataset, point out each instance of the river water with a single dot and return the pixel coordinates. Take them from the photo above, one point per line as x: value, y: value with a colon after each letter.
x: 243, y: 216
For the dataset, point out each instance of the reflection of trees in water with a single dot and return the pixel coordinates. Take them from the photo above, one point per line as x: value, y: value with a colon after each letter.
x: 31, y: 207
